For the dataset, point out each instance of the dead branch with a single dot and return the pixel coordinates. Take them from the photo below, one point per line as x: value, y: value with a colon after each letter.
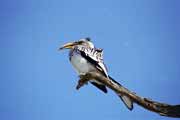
x: 157, y: 107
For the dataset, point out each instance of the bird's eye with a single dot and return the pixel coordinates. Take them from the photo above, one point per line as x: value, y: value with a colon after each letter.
x: 80, y: 42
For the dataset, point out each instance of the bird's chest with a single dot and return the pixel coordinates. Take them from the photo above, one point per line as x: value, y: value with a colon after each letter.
x: 81, y: 65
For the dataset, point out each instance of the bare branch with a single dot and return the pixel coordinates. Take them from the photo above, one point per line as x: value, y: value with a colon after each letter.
x: 157, y: 107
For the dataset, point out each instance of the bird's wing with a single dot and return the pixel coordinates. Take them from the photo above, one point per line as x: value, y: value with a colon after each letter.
x: 94, y: 57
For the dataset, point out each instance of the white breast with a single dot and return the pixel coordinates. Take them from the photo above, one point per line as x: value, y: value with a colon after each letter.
x: 81, y: 65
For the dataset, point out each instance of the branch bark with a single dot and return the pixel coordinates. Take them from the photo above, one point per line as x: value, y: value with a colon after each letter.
x: 157, y: 107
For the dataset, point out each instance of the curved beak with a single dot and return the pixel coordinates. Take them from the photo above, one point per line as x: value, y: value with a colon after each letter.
x: 68, y: 45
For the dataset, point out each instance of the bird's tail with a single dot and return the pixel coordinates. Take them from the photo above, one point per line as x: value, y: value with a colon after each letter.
x: 126, y: 100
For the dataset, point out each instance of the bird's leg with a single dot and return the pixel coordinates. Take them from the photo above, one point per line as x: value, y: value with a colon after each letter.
x: 83, y: 80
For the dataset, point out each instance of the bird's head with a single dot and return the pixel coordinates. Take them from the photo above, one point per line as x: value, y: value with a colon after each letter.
x: 81, y: 42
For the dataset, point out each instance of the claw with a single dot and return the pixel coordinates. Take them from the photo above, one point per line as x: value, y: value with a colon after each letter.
x: 81, y: 82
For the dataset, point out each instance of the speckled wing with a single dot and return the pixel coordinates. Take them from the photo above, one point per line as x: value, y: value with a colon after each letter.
x: 95, y: 57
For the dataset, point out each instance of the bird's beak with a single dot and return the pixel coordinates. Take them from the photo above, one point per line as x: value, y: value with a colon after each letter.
x: 68, y: 45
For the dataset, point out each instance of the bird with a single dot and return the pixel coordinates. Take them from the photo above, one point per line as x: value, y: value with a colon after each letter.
x: 85, y: 57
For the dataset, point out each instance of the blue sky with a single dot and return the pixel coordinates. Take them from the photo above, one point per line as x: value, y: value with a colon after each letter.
x: 141, y: 49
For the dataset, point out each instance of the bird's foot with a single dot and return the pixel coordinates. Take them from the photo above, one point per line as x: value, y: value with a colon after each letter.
x: 81, y: 82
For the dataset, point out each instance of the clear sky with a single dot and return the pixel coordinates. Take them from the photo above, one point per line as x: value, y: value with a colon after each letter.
x: 141, y: 49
